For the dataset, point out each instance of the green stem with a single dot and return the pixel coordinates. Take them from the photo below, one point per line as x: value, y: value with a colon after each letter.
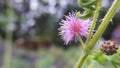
x: 99, y: 32
x: 81, y: 41
x: 104, y: 23
x: 94, y: 21
x: 81, y: 60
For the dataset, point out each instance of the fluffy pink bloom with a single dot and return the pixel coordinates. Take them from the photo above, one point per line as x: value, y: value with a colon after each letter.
x: 72, y: 27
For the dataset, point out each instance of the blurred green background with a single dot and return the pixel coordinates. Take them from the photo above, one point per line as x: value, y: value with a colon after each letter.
x: 29, y: 35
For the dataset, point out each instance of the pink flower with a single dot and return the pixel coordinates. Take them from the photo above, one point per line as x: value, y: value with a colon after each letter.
x: 72, y: 27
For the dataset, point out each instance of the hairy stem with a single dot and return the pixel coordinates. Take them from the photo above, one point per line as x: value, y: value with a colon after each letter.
x: 94, y: 21
x: 81, y: 60
x: 81, y: 41
x: 104, y: 23
x: 99, y: 32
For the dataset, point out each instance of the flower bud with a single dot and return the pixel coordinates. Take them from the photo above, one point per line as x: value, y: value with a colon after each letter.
x: 109, y: 47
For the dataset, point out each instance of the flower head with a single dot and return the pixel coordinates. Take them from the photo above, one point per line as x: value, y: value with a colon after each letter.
x: 72, y: 27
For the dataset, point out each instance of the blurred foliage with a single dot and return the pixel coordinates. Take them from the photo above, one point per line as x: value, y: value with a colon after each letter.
x: 55, y: 57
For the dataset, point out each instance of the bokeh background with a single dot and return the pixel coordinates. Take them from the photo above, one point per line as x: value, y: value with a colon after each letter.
x: 29, y: 35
